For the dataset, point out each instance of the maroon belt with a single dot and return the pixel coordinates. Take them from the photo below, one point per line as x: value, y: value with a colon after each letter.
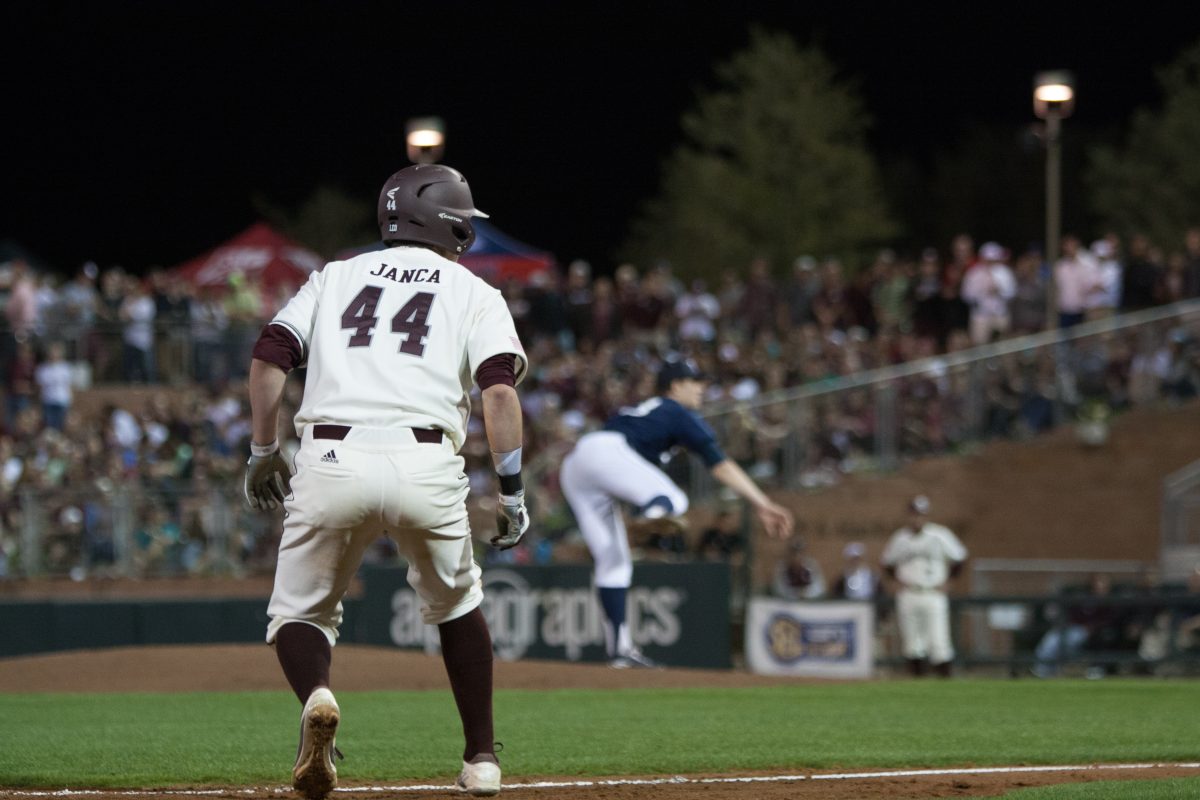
x: 338, y: 432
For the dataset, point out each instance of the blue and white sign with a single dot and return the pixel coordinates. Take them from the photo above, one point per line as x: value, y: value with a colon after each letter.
x: 822, y: 640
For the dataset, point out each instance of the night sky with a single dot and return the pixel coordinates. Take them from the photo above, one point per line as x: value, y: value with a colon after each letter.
x: 137, y: 133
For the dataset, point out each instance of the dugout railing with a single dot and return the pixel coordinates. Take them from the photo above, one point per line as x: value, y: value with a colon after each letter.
x: 1148, y: 633
x: 1181, y: 520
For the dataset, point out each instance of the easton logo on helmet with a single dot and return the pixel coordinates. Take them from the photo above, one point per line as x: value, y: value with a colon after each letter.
x: 444, y: 215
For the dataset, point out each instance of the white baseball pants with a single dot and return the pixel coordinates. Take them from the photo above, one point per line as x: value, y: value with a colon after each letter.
x: 924, y: 619
x: 347, y: 493
x: 600, y: 473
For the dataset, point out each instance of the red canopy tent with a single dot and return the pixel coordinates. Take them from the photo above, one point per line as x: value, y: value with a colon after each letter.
x: 259, y: 252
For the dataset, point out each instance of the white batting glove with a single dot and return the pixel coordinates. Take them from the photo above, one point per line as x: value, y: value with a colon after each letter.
x: 268, y: 481
x: 512, y: 520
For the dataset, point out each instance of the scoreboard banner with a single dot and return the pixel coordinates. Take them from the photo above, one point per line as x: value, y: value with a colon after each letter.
x: 812, y: 639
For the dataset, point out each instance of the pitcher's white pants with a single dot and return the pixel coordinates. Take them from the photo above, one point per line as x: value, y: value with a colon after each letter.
x: 600, y: 473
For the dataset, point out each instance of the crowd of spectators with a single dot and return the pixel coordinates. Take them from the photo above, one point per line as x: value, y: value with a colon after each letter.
x: 594, y: 342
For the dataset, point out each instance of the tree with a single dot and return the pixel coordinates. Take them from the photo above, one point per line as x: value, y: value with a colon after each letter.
x: 1152, y: 184
x: 773, y: 163
x: 1005, y: 201
x: 329, y: 220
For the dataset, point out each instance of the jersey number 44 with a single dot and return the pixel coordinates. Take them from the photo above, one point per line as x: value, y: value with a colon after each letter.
x: 410, y: 321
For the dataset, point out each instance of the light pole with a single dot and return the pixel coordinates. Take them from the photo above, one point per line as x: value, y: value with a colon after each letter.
x: 425, y: 139
x: 1053, y: 99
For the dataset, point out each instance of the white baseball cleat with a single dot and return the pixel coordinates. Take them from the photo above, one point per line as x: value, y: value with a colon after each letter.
x: 315, y: 774
x: 634, y: 659
x: 481, y: 779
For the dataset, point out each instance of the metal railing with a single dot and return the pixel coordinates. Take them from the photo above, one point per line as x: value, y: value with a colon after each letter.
x: 179, y: 352
x: 1142, y: 633
x: 804, y: 436
x: 130, y: 530
x: 1181, y: 521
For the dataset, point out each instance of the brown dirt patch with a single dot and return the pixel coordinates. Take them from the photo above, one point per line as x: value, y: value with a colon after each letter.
x: 356, y: 667
x: 248, y: 667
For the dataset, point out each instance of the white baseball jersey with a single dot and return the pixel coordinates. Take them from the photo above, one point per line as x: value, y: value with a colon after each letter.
x: 922, y: 559
x: 393, y: 338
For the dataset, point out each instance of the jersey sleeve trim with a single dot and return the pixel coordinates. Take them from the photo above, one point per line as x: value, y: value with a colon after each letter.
x: 296, y: 333
x: 276, y: 347
x: 499, y: 369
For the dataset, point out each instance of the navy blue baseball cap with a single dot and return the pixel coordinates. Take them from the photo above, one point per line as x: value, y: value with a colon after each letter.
x: 677, y: 369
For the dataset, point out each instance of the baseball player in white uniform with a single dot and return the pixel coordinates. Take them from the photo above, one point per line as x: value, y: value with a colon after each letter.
x: 393, y: 341
x: 622, y: 463
x: 922, y: 556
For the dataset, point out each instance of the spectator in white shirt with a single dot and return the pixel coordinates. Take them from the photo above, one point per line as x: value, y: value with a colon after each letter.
x: 1106, y: 299
x: 987, y: 288
x: 138, y: 312
x: 697, y: 312
x: 53, y: 377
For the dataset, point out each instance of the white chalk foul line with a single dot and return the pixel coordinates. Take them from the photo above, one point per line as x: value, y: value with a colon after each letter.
x: 585, y: 784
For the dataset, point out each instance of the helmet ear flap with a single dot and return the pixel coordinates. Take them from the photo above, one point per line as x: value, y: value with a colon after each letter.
x: 464, y: 235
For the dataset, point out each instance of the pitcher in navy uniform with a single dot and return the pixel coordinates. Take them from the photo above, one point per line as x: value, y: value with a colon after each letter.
x: 622, y: 463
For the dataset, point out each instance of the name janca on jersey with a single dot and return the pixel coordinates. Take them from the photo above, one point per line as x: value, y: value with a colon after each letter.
x: 418, y: 275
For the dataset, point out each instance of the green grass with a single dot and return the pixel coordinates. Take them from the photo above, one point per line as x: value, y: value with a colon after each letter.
x: 1166, y: 789
x: 250, y: 738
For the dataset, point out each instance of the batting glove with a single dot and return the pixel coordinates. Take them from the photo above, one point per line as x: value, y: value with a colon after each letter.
x: 268, y: 480
x: 512, y: 520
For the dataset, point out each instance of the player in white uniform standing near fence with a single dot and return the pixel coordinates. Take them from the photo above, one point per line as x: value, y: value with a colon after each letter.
x: 622, y: 464
x: 393, y: 341
x: 922, y: 556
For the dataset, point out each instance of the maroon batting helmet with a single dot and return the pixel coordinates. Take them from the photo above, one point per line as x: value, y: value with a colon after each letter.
x: 428, y: 204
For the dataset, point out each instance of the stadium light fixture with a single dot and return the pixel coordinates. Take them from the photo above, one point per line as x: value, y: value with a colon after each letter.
x: 1053, y: 94
x: 1053, y: 99
x: 425, y: 138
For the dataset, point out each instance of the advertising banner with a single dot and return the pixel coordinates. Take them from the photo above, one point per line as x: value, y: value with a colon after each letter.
x: 678, y: 613
x: 824, y: 640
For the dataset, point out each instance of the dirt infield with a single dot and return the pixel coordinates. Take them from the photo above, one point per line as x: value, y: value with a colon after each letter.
x: 253, y: 667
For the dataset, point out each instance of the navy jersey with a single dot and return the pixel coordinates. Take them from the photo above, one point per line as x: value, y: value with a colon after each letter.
x: 659, y: 424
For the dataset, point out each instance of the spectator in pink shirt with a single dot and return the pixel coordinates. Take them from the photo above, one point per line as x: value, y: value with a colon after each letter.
x: 21, y: 309
x: 1076, y: 279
